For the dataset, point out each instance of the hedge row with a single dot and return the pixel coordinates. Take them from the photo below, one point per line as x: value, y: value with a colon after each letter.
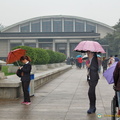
x: 41, y: 56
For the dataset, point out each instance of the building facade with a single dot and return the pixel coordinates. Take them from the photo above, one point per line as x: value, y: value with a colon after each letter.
x: 58, y: 33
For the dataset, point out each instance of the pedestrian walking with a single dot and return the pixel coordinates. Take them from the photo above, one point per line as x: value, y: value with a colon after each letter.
x: 68, y: 61
x: 116, y: 76
x: 25, y: 78
x: 116, y: 58
x: 71, y: 61
x: 76, y: 62
x: 104, y: 63
x: 83, y: 63
x: 79, y: 62
x: 93, y: 80
x: 111, y: 61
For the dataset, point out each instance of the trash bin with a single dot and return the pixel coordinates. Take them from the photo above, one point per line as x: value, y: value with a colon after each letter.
x: 31, y: 86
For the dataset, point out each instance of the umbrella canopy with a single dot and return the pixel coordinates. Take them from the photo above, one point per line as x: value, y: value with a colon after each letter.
x: 89, y: 46
x: 85, y: 57
x: 108, y: 74
x: 78, y: 56
x: 15, y: 55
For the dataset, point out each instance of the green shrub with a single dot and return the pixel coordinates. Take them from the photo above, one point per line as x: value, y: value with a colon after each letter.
x: 60, y: 57
x: 42, y: 56
x: 52, y: 56
x: 63, y: 57
x: 29, y: 52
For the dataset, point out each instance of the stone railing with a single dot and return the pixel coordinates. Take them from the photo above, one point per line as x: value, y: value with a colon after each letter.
x: 10, y: 88
x: 13, y: 69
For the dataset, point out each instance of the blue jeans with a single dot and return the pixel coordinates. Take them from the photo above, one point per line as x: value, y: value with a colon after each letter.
x: 118, y: 97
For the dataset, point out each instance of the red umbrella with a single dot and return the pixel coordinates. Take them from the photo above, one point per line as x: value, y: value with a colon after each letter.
x: 15, y: 55
x: 89, y: 46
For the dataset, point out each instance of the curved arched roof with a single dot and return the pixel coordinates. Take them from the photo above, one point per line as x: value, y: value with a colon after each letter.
x: 57, y: 16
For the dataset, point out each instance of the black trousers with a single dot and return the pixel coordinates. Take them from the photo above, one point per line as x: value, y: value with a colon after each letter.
x: 91, y: 93
x: 25, y: 86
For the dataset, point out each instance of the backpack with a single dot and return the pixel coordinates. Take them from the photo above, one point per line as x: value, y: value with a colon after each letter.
x: 19, y: 73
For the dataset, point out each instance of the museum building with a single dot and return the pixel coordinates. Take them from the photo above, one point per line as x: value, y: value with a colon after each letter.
x: 59, y: 33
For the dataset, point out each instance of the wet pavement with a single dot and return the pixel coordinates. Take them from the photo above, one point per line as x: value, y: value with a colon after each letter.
x: 64, y: 98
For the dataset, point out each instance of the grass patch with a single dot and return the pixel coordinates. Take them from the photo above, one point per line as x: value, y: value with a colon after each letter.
x: 5, y: 70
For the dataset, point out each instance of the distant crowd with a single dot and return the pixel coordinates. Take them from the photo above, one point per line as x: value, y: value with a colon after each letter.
x: 102, y: 62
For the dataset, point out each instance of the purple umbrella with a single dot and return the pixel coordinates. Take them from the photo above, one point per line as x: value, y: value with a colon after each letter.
x: 108, y: 74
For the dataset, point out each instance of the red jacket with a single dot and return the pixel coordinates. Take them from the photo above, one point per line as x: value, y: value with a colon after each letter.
x: 79, y: 60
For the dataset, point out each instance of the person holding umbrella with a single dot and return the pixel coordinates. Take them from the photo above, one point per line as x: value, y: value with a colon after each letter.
x: 91, y: 47
x: 25, y: 78
x: 24, y: 72
x: 93, y: 80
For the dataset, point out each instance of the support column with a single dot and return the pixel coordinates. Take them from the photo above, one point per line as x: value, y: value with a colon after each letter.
x: 40, y: 25
x: 23, y: 42
x: 73, y: 25
x: 85, y: 26
x: 51, y: 25
x: 30, y: 26
x: 37, y: 44
x: 53, y: 44
x: 96, y: 28
x: 62, y: 24
x: 68, y: 48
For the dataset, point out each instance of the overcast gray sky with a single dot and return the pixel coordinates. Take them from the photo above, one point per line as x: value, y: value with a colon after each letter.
x: 105, y: 11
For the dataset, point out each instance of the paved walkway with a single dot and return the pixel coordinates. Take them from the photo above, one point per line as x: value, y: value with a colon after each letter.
x: 64, y: 98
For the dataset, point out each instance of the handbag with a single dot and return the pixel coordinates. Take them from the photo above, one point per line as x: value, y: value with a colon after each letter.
x: 19, y: 73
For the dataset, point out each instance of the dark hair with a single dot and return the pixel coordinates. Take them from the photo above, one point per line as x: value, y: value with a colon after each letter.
x: 111, y: 55
x: 116, y: 55
x: 25, y: 57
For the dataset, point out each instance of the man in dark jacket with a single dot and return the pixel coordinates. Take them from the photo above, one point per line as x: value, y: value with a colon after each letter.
x: 93, y: 74
x: 105, y: 63
x: 116, y: 58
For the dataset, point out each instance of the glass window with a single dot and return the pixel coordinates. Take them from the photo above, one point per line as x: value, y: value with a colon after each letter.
x: 90, y: 27
x: 25, y: 28
x: 57, y: 26
x: 79, y: 26
x: 46, y: 45
x: 30, y: 45
x: 12, y: 45
x: 72, y: 47
x: 46, y: 26
x: 68, y: 26
x: 35, y: 27
x: 61, y: 47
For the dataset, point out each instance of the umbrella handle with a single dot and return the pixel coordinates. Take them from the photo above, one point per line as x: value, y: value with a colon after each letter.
x: 17, y: 63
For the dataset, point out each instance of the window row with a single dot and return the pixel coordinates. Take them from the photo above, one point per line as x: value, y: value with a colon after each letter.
x: 58, y: 26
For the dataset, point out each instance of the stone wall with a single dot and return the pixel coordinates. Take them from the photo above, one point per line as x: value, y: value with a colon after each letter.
x: 10, y: 88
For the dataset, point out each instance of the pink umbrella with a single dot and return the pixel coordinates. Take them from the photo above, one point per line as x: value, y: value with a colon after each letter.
x: 89, y: 46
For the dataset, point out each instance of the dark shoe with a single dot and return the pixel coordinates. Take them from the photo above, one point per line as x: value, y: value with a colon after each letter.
x: 91, y: 110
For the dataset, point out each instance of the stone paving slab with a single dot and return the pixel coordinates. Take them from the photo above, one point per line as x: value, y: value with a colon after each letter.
x: 64, y: 98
